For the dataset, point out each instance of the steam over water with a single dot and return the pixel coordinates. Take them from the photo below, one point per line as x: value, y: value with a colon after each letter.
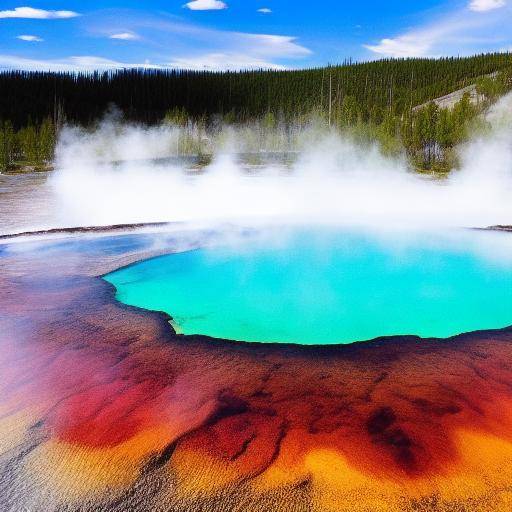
x: 328, y: 286
x: 122, y: 174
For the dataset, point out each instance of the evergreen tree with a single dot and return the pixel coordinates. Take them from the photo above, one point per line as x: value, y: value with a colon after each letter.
x: 7, y: 145
x: 28, y: 143
x: 424, y: 135
x: 374, y: 100
x: 445, y: 129
x: 46, y: 141
x: 147, y: 95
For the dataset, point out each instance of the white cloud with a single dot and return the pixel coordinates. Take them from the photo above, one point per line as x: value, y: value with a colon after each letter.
x: 41, y: 14
x: 206, y: 5
x: 223, y: 62
x: 254, y: 51
x: 125, y: 36
x: 182, y: 45
x: 32, y: 39
x: 401, y: 47
x: 460, y: 32
x: 272, y: 45
x: 229, y: 50
x: 486, y: 5
x: 211, y: 61
x: 265, y: 10
x: 76, y: 63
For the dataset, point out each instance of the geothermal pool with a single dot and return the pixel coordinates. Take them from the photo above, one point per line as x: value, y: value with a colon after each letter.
x: 323, y: 286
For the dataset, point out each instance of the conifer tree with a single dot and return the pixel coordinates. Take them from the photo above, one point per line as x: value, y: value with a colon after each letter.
x: 46, y: 141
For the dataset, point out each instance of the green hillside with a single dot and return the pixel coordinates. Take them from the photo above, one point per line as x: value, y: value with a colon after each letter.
x: 146, y: 95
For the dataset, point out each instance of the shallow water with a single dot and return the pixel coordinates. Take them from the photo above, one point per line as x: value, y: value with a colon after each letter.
x: 325, y: 286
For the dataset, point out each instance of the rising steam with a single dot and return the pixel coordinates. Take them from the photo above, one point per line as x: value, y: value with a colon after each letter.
x: 129, y: 174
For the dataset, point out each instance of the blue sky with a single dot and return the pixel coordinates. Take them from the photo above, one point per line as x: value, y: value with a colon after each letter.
x: 243, y: 34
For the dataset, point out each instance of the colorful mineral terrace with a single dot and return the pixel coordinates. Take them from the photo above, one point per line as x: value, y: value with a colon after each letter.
x: 104, y: 407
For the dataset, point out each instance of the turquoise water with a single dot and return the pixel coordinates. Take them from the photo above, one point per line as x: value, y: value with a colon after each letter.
x: 326, y: 287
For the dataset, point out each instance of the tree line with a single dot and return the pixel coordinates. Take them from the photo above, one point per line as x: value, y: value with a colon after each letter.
x: 32, y: 146
x: 373, y: 99
x: 428, y: 134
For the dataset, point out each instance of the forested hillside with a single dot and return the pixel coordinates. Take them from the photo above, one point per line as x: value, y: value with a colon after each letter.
x: 146, y: 95
x: 376, y: 98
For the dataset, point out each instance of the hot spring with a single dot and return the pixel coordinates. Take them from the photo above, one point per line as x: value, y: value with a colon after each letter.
x: 328, y: 286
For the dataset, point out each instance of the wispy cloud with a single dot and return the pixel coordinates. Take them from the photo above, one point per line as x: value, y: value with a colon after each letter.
x: 76, y: 63
x: 409, y: 45
x: 486, y: 5
x: 88, y: 63
x: 224, y: 62
x: 206, y: 5
x: 40, y: 14
x: 272, y: 45
x: 174, y: 43
x: 31, y: 39
x: 253, y: 51
x: 170, y: 43
x: 125, y: 36
x: 460, y: 32
x: 265, y: 10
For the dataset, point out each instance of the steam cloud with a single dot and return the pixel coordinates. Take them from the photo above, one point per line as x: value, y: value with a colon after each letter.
x: 121, y: 174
